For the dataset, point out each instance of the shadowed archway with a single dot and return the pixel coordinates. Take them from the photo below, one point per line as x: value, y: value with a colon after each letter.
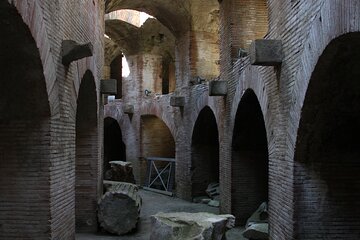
x: 327, y: 166
x: 249, y: 159
x: 87, y: 159
x: 204, y: 153
x: 25, y: 136
x: 114, y: 147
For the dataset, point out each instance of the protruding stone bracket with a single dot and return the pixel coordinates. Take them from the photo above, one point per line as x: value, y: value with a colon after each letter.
x: 266, y: 52
x: 108, y: 86
x: 72, y: 51
x: 217, y: 88
x: 128, y: 109
x: 177, y: 101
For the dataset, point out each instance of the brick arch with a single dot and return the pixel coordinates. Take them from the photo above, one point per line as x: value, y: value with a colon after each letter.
x: 323, y: 31
x: 320, y: 35
x: 203, y: 100
x: 164, y: 115
x: 84, y: 66
x: 326, y: 160
x: 115, y: 111
x: 252, y: 78
x: 174, y: 15
x: 33, y: 17
x: 26, y: 142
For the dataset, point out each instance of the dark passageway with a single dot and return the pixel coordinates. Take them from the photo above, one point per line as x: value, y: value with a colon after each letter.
x: 249, y: 159
x: 86, y: 161
x: 114, y: 147
x: 204, y: 153
x: 25, y: 139
x: 327, y: 182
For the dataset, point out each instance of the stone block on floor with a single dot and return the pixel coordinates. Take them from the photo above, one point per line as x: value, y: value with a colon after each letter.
x: 182, y: 225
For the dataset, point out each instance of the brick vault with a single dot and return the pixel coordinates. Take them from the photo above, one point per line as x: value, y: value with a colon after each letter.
x: 276, y: 119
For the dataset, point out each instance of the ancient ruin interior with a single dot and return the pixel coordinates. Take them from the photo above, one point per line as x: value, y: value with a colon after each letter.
x: 113, y: 111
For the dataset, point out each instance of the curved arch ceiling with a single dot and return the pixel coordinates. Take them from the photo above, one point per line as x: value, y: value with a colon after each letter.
x: 173, y: 14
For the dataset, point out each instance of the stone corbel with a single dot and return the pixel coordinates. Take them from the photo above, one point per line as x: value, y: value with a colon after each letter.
x: 72, y: 51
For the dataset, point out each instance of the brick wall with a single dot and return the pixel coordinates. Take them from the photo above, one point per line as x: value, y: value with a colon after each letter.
x: 152, y: 73
x: 24, y: 166
x: 249, y: 22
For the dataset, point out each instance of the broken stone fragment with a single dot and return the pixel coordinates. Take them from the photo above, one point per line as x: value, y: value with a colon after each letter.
x: 257, y: 225
x: 120, y: 171
x: 259, y: 216
x: 257, y: 231
x: 214, y: 203
x: 213, y: 190
x: 190, y: 226
x: 201, y: 199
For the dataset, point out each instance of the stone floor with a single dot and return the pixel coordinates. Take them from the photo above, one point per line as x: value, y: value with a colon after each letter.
x: 152, y: 204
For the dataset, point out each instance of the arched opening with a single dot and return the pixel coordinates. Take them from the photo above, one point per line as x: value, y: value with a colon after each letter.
x: 156, y: 141
x: 116, y: 73
x: 114, y: 147
x: 25, y: 138
x: 249, y: 159
x: 87, y: 159
x: 249, y: 21
x: 151, y: 52
x: 168, y: 74
x: 327, y: 166
x: 133, y: 17
x: 204, y: 153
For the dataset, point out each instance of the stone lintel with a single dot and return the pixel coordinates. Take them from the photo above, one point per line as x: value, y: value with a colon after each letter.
x: 176, y: 101
x: 266, y: 52
x: 108, y: 86
x: 128, y: 109
x: 217, y: 88
x: 72, y: 51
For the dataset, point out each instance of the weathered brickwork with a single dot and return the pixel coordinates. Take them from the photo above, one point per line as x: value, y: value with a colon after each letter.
x: 45, y: 142
x: 297, y: 131
x: 305, y: 29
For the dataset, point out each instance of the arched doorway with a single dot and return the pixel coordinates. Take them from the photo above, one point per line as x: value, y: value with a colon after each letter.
x: 156, y: 141
x: 25, y: 136
x: 87, y: 158
x: 204, y: 153
x: 116, y: 73
x: 327, y: 166
x: 114, y: 147
x: 249, y: 159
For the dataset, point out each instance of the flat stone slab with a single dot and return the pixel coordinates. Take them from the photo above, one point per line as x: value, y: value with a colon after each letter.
x: 121, y: 163
x: 190, y: 226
